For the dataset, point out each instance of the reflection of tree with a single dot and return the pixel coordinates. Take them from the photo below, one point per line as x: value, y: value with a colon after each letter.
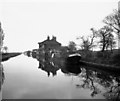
x: 112, y: 85
x: 91, y: 80
x: 97, y: 81
x: 88, y: 82
x: 104, y: 79
x: 2, y: 76
x: 114, y: 91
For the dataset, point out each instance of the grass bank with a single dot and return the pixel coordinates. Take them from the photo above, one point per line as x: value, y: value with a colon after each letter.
x: 6, y: 56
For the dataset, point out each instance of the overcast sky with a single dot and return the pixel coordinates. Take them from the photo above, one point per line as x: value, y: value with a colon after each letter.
x: 27, y: 22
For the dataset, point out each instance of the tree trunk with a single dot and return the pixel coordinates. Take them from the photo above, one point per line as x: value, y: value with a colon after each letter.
x: 103, y: 48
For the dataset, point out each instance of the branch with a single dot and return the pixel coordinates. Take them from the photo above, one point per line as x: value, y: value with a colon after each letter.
x: 111, y: 25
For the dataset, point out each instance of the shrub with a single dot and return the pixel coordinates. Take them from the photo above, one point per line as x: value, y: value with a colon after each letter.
x: 116, y: 59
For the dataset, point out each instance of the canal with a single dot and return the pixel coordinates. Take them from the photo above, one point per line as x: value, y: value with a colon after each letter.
x: 34, y: 78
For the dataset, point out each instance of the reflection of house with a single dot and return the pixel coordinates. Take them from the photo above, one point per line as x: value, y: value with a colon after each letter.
x: 48, y: 67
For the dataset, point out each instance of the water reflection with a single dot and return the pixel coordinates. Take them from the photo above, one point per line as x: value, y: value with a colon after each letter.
x: 99, y: 82
x: 95, y: 80
x: 52, y: 65
x: 2, y: 76
x: 49, y: 67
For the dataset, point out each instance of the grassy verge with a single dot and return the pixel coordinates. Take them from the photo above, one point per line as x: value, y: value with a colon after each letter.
x: 6, y: 56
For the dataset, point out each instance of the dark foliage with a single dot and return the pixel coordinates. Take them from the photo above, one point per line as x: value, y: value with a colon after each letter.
x: 116, y: 59
x: 106, y: 57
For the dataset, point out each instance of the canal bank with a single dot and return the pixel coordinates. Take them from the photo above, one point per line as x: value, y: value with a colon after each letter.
x: 7, y: 56
x: 103, y: 67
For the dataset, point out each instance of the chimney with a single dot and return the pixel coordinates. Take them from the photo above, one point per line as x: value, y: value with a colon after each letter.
x: 54, y: 38
x: 48, y: 38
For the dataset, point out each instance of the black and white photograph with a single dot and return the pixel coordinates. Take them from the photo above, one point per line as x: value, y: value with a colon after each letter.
x: 60, y: 49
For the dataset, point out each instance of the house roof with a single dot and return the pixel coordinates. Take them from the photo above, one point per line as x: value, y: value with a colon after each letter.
x: 54, y: 42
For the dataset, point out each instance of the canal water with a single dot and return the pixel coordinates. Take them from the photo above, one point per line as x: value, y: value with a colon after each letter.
x: 34, y: 78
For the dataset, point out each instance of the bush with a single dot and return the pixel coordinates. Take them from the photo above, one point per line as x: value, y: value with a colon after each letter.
x: 100, y: 54
x: 116, y: 59
x: 104, y: 57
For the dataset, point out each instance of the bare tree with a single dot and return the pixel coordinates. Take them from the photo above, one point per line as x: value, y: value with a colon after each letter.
x: 113, y: 20
x: 88, y: 43
x: 106, y: 38
x: 111, y: 43
x: 85, y: 43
